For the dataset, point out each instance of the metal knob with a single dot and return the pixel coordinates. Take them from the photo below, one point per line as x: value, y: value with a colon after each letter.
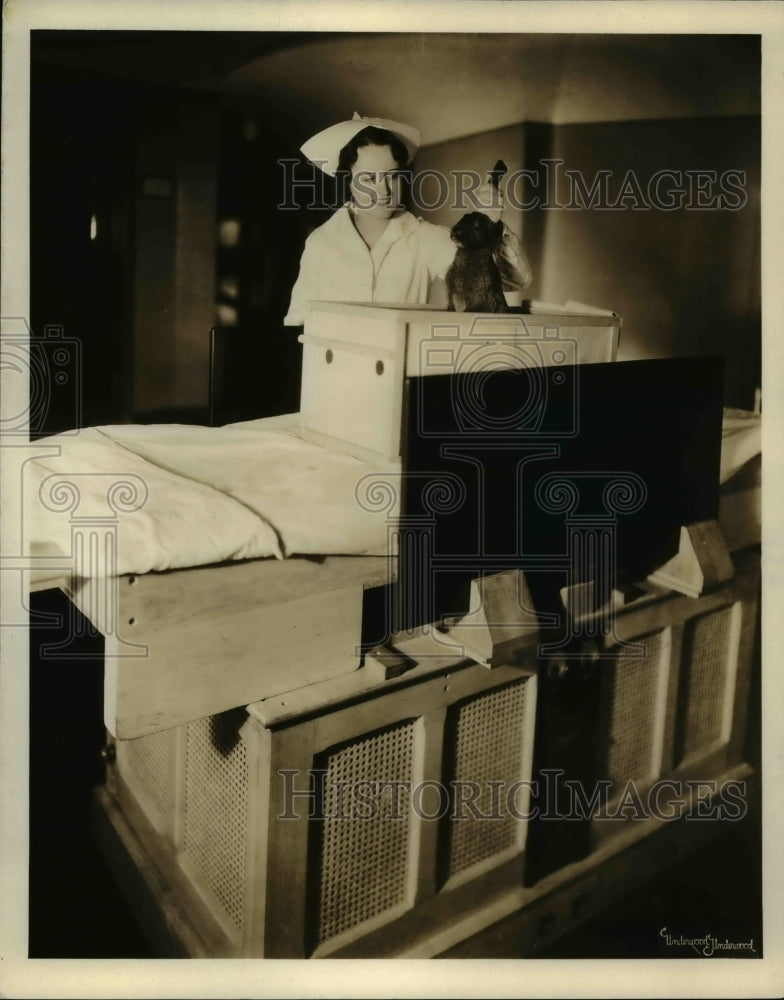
x: 108, y: 753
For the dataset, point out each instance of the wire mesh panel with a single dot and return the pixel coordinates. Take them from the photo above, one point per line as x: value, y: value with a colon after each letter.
x: 711, y: 649
x: 486, y: 743
x: 363, y: 862
x: 215, y: 803
x: 633, y: 706
x: 144, y: 766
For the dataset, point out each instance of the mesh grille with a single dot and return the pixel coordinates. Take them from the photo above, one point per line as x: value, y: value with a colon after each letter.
x: 363, y: 862
x: 216, y: 807
x: 488, y: 738
x: 144, y: 765
x: 707, y: 641
x: 631, y: 702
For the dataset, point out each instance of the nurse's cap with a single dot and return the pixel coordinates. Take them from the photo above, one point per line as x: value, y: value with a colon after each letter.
x: 323, y: 149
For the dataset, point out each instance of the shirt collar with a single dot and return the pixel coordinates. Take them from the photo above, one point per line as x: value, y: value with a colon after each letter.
x: 399, y: 226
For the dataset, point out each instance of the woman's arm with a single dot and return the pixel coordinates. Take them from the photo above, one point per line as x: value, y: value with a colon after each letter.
x: 304, y: 290
x: 513, y: 263
x: 511, y: 258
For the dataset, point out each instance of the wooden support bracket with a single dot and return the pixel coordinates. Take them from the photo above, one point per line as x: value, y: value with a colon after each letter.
x: 501, y: 620
x: 386, y: 662
x: 701, y: 564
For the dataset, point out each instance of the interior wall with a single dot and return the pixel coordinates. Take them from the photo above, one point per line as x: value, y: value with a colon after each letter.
x: 685, y: 281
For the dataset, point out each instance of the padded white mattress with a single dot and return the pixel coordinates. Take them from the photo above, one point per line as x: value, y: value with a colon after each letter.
x: 204, y: 495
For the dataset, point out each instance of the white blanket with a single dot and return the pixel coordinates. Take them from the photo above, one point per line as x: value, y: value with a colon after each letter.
x: 200, y: 495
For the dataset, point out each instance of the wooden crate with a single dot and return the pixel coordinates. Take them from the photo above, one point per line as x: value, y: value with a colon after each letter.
x: 679, y: 710
x: 241, y: 868
x: 247, y: 871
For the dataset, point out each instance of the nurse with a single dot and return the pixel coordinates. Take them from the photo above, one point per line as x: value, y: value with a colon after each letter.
x: 372, y: 249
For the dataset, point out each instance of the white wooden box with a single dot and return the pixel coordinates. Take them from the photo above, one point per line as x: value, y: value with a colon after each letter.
x: 356, y: 359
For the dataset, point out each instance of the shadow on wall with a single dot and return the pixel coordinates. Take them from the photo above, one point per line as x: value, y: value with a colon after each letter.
x: 685, y: 278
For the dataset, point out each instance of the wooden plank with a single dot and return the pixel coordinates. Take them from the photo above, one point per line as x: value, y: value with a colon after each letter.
x: 178, y: 596
x: 257, y: 741
x: 365, y: 683
x: 354, y: 396
x: 430, y: 314
x: 220, y: 662
x: 286, y: 899
x: 748, y: 585
x: 671, y: 708
x: 423, y: 872
x: 411, y: 701
x: 633, y: 621
x: 432, y: 352
x: 175, y: 921
x: 225, y: 636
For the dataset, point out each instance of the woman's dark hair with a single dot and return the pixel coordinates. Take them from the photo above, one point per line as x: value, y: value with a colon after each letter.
x: 371, y: 136
x: 368, y: 136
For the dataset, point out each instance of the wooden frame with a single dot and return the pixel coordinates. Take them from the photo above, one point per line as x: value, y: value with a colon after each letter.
x: 488, y: 903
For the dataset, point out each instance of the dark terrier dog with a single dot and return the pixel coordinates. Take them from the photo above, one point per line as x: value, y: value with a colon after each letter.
x: 473, y: 281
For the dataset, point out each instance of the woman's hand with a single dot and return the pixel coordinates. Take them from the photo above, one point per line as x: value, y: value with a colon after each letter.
x: 487, y: 198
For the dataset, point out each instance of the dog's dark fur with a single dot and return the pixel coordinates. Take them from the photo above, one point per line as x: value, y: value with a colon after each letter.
x: 473, y: 281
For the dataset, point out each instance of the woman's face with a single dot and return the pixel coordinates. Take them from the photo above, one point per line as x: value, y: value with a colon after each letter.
x: 376, y: 182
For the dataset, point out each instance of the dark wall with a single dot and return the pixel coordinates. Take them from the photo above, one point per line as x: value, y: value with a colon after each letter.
x: 685, y: 281
x: 122, y: 227
x: 174, y: 250
x: 258, y: 252
x: 160, y: 171
x: 81, y: 165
